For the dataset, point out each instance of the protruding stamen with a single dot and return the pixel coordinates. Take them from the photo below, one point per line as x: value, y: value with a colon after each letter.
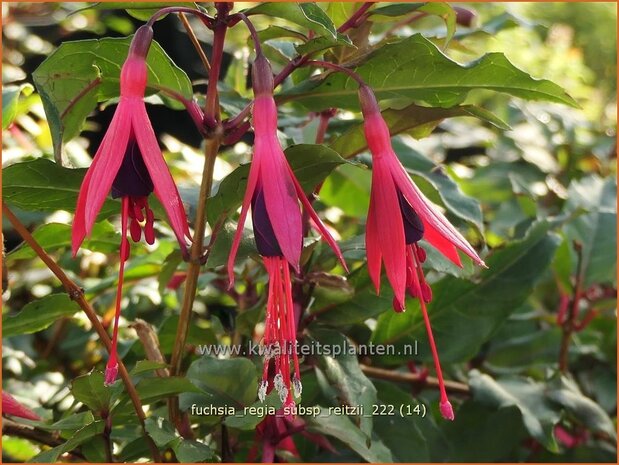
x: 111, y: 370
x: 262, y: 390
x: 297, y: 387
x: 135, y: 230
x: 421, y: 253
x: 149, y: 230
x: 445, y: 406
x: 447, y: 410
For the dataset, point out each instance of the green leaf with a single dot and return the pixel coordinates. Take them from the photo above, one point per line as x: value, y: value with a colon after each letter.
x: 480, y: 306
x: 400, y: 433
x: 38, y: 315
x: 537, y: 415
x: 82, y: 436
x: 595, y: 230
x: 161, y: 430
x: 308, y: 15
x: 55, y: 236
x: 230, y: 382
x: 348, y: 188
x: 146, y: 366
x: 413, y: 118
x: 139, y: 10
x: 248, y: 420
x: 586, y: 411
x: 443, y: 10
x: 476, y: 424
x: 42, y: 185
x: 413, y: 69
x: 10, y: 100
x: 190, y: 451
x: 340, y: 427
x: 310, y: 163
x: 153, y: 389
x: 318, y: 44
x: 90, y: 389
x: 67, y: 81
x: 350, y: 385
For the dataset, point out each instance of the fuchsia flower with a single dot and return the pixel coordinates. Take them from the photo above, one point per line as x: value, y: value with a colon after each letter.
x: 129, y: 162
x: 274, y: 194
x: 12, y: 407
x: 398, y: 218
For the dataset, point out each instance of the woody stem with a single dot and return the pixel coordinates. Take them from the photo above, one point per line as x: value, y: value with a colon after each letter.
x: 193, y: 270
x: 77, y: 294
x: 355, y: 18
x: 568, y: 325
x: 194, y: 41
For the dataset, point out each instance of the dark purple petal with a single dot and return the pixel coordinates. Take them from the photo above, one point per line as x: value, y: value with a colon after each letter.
x: 132, y: 179
x: 413, y: 226
x: 266, y: 242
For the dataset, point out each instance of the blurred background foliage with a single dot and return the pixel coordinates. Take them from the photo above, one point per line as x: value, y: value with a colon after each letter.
x: 537, y: 195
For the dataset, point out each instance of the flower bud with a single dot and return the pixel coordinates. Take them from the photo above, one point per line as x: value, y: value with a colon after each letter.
x: 367, y: 100
x: 141, y: 42
x: 262, y: 76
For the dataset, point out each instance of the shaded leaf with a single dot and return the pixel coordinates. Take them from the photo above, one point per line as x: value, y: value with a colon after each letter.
x: 90, y: 389
x: 480, y: 306
x: 38, y: 315
x: 42, y: 185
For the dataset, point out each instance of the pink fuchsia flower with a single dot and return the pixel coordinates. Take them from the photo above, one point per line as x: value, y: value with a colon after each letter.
x: 12, y: 407
x: 129, y: 162
x: 274, y: 193
x: 398, y: 218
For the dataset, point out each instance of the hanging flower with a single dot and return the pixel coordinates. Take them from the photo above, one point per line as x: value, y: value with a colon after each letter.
x: 398, y: 218
x: 12, y: 407
x: 129, y: 162
x: 274, y: 195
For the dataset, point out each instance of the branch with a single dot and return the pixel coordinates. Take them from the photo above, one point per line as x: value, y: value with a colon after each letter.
x: 76, y: 293
x: 413, y: 378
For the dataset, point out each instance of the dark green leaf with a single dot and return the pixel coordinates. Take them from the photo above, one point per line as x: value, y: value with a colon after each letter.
x: 226, y: 382
x: 190, y: 451
x: 537, y: 415
x: 318, y: 44
x: 161, y: 430
x: 476, y: 424
x: 90, y: 389
x: 340, y: 427
x: 66, y: 81
x: 480, y: 306
x: 54, y: 236
x: 411, y: 118
x: 344, y: 374
x: 42, y: 185
x: 308, y: 15
x: 586, y: 411
x: 443, y: 10
x: 82, y: 436
x: 400, y: 433
x: 310, y: 163
x: 153, y: 389
x: 38, y: 315
x: 415, y: 70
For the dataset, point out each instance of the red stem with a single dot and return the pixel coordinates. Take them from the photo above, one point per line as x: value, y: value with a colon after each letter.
x: 356, y: 18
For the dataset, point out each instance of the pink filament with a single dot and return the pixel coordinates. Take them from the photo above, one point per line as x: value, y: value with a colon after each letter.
x: 111, y: 370
x: 418, y: 283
